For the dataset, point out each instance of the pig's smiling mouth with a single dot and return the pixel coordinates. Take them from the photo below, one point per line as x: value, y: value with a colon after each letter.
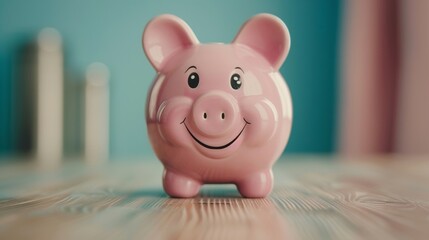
x: 215, y: 147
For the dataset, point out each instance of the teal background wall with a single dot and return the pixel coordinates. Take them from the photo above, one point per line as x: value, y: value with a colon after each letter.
x: 110, y: 32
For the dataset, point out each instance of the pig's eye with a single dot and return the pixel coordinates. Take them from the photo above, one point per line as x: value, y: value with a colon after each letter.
x: 235, y: 81
x: 193, y: 80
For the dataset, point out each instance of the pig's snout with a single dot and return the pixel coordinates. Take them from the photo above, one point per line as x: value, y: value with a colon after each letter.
x: 215, y: 113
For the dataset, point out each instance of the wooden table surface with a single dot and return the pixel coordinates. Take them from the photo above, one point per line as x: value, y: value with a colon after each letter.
x: 313, y: 198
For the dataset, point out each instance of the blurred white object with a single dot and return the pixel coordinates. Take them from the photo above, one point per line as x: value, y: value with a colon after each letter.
x: 49, y: 117
x: 97, y: 113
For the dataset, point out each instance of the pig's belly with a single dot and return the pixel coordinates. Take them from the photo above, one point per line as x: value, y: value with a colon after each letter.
x: 245, y: 161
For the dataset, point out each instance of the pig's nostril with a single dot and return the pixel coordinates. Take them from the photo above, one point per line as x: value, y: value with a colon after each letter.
x: 205, y: 115
x: 223, y: 116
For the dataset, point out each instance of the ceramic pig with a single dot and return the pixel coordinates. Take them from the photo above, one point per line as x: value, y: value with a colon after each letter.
x: 218, y: 113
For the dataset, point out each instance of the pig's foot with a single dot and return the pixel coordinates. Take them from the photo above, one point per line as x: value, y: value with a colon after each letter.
x: 257, y: 185
x: 180, y: 186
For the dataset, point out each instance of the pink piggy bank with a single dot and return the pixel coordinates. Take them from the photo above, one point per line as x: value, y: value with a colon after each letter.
x: 218, y: 113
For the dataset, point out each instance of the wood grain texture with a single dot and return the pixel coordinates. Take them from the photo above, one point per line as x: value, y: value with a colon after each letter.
x: 313, y: 198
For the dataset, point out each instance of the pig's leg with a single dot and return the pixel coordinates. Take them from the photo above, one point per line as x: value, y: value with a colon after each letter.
x: 178, y: 185
x: 256, y: 185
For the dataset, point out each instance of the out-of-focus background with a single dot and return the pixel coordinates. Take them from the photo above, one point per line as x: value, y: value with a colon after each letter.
x: 74, y: 79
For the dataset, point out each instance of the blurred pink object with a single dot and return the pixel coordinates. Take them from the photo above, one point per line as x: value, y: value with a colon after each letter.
x: 412, y: 129
x: 384, y: 80
x: 218, y: 113
x: 369, y: 78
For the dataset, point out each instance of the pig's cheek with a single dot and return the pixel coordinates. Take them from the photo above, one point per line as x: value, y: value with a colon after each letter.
x: 170, y: 117
x: 263, y: 118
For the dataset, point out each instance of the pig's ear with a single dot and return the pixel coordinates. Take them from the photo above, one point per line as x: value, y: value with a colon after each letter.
x: 267, y: 35
x: 165, y: 35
